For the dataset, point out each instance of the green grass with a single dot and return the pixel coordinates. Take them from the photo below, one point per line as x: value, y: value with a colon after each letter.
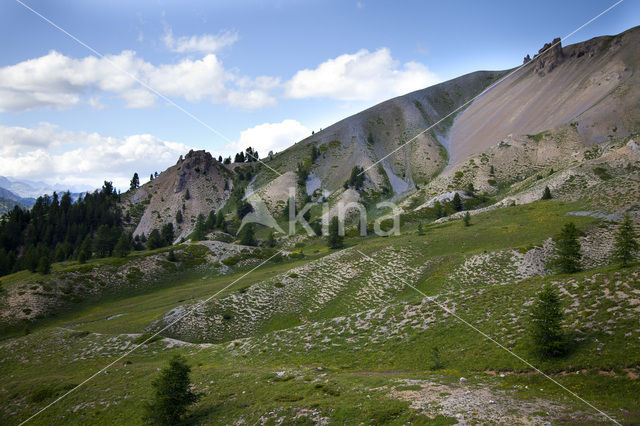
x: 316, y: 367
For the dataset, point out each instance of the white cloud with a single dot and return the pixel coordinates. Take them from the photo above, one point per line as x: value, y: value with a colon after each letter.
x: 205, y: 43
x: 57, y: 81
x: 362, y: 76
x: 53, y: 155
x: 271, y: 136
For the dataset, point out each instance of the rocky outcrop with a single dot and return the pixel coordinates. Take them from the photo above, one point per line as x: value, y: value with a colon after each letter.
x: 194, y: 164
x: 196, y: 184
x: 549, y: 57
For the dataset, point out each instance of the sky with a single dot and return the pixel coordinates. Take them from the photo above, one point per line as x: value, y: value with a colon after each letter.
x: 131, y: 86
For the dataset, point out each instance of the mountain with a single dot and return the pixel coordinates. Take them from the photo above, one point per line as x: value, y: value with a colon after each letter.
x: 196, y: 184
x: 8, y: 200
x: 582, y: 95
x: 34, y: 189
x: 592, y: 85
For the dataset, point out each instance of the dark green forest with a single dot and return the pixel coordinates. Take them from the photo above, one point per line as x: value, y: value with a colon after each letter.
x: 56, y: 229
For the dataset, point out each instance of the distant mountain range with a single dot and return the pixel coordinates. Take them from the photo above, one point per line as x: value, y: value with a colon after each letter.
x: 33, y: 189
x: 23, y: 193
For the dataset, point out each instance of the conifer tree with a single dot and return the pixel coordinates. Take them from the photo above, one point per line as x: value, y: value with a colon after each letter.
x: 135, y: 181
x: 220, y: 222
x: 155, y: 240
x: 467, y: 219
x: 457, y: 202
x: 546, y: 323
x: 271, y: 240
x: 172, y: 394
x: 334, y: 239
x: 123, y: 246
x: 167, y: 234
x: 247, y: 235
x: 44, y: 264
x: 199, y: 233
x: 567, y: 250
x: 626, y: 245
x: 84, y: 253
x: 546, y: 195
x: 179, y: 218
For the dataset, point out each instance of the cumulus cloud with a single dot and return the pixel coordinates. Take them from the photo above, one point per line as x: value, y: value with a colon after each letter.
x: 205, y: 43
x: 56, y: 156
x: 271, y: 136
x: 58, y: 81
x: 362, y: 76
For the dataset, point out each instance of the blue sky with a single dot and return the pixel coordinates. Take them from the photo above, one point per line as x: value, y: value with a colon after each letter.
x: 260, y: 72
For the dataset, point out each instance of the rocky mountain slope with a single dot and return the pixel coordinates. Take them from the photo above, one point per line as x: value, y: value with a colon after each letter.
x: 592, y: 85
x: 196, y: 184
x: 8, y: 200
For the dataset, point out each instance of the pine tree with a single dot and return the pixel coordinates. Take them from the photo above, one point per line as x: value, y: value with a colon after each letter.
x: 210, y: 223
x: 356, y: 179
x: 199, y: 232
x: 315, y: 153
x: 546, y: 195
x: 467, y: 219
x: 271, y: 240
x: 85, y: 250
x: 167, y: 234
x: 568, y: 250
x: 44, y: 264
x: 135, y: 181
x: 457, y: 202
x: 247, y: 235
x: 420, y: 229
x: 220, y: 222
x: 625, y: 246
x: 155, y: 240
x: 106, y: 239
x: 123, y: 246
x: 172, y: 394
x: 59, y: 253
x: 546, y: 323
x: 334, y: 239
x: 438, y: 210
x: 179, y: 218
x: 150, y: 177
x: 469, y: 190
x: 187, y: 195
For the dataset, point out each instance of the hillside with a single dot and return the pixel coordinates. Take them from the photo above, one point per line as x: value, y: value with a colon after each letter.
x: 8, y: 200
x: 592, y: 85
x: 207, y: 182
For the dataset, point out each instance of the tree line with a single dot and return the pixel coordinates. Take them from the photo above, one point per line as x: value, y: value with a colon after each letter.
x: 56, y: 229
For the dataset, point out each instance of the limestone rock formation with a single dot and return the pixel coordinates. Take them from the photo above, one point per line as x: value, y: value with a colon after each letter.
x: 549, y: 57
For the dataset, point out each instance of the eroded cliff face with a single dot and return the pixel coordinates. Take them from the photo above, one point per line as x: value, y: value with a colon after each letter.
x: 195, y: 184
